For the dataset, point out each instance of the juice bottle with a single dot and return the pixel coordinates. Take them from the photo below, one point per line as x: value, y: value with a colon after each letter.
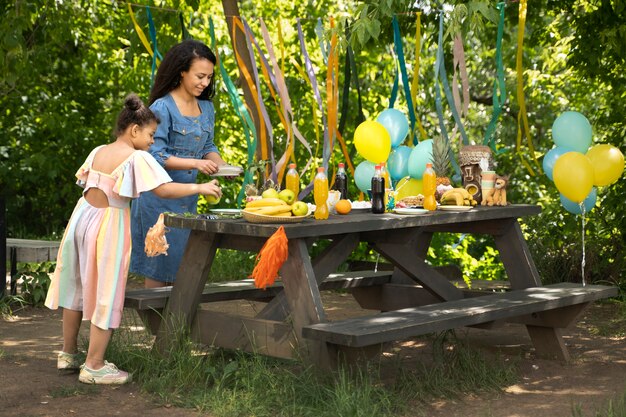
x: 320, y: 194
x: 292, y: 180
x: 341, y: 181
x: 378, y: 192
x: 385, y: 174
x: 429, y: 186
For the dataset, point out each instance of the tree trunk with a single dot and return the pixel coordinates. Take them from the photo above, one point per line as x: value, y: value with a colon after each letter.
x: 231, y: 8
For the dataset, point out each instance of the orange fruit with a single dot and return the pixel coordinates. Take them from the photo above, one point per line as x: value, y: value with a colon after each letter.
x: 343, y: 206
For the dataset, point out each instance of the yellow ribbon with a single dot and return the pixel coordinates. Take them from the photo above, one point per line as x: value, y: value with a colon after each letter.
x: 142, y: 36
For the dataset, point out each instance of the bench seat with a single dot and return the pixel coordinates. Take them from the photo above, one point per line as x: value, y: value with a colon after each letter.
x: 410, y: 322
x: 155, y: 298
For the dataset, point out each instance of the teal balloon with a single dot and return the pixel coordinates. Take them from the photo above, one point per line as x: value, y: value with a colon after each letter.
x: 420, y: 156
x: 549, y: 159
x: 589, y: 202
x: 363, y: 175
x: 398, y: 162
x: 572, y: 130
x: 396, y: 124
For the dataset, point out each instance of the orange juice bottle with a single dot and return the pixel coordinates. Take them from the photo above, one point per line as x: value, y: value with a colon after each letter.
x: 429, y: 186
x: 292, y: 180
x: 385, y: 174
x: 320, y: 194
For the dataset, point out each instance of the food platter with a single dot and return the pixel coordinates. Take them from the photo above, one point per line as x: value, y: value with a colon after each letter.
x: 410, y: 211
x: 264, y: 218
x: 454, y: 208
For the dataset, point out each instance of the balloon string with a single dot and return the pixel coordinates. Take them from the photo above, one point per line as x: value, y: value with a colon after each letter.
x: 582, y: 265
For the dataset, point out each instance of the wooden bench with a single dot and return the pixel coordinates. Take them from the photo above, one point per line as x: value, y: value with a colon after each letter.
x: 155, y: 298
x: 26, y: 250
x: 551, y: 305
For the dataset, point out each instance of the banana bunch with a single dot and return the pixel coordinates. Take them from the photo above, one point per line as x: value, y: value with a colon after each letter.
x: 457, y: 197
x: 269, y: 207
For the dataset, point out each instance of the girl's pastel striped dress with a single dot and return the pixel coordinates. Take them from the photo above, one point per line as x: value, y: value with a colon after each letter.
x: 92, y: 263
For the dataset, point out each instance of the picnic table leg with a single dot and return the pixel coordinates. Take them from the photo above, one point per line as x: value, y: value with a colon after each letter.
x: 305, y: 303
x: 191, y: 277
x: 522, y: 273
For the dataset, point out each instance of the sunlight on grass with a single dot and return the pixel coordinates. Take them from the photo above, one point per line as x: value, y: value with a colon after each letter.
x: 615, y: 408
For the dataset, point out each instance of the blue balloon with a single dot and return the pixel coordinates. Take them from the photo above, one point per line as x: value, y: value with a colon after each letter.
x: 398, y: 162
x: 549, y: 159
x: 589, y: 202
x: 420, y: 156
x: 572, y: 130
x: 396, y: 124
x: 363, y: 175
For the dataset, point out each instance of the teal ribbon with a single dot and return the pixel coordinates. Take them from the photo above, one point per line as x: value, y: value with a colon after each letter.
x: 319, y: 31
x: 396, y: 86
x: 153, y: 38
x: 499, y: 86
x: 397, y: 40
x: 183, y: 29
x: 440, y: 73
x: 241, y: 110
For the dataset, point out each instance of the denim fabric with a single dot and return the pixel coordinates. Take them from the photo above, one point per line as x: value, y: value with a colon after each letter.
x: 183, y: 137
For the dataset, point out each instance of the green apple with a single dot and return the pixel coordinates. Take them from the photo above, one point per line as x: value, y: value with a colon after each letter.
x: 300, y: 208
x: 287, y: 196
x: 211, y: 200
x: 270, y: 193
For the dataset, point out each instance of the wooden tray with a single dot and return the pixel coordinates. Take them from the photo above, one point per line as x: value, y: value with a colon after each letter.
x: 264, y: 218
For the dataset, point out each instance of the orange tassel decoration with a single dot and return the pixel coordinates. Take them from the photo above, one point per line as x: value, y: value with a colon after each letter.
x: 270, y: 258
x: 156, y: 243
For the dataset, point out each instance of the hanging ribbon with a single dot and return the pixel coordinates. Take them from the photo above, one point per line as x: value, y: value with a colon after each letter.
x: 522, y: 117
x: 440, y: 74
x: 243, y: 114
x: 319, y: 31
x: 332, y: 93
x: 184, y: 34
x: 286, y: 108
x: 397, y: 40
x: 140, y: 33
x: 499, y: 87
x: 396, y: 81
x: 415, y: 81
x: 156, y: 57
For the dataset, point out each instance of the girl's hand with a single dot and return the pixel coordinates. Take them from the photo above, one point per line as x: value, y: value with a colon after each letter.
x: 211, y: 188
x: 206, y: 166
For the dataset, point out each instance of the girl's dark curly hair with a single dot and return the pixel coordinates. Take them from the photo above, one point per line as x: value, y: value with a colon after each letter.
x: 134, y: 112
x: 178, y: 59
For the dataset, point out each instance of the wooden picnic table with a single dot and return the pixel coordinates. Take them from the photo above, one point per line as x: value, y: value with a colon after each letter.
x: 415, y: 299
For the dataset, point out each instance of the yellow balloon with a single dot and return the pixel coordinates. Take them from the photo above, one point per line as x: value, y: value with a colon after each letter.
x: 372, y: 141
x: 407, y: 186
x: 607, y: 162
x: 573, y: 176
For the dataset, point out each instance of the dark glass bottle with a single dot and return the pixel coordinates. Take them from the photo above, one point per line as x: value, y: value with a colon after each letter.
x: 378, y: 192
x: 341, y: 181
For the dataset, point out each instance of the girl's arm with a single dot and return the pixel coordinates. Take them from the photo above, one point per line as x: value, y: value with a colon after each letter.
x: 178, y: 190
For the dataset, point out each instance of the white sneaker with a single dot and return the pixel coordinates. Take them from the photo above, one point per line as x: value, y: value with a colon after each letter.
x: 107, y: 375
x: 69, y: 361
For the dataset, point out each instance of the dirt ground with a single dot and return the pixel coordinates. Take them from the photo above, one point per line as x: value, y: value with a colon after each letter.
x: 31, y: 386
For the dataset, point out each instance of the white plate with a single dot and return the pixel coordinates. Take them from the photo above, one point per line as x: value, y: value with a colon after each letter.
x: 454, y: 208
x: 361, y: 209
x: 226, y: 212
x: 402, y: 210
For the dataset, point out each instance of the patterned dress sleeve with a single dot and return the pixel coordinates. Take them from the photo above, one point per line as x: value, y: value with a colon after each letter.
x: 83, y: 171
x: 141, y: 173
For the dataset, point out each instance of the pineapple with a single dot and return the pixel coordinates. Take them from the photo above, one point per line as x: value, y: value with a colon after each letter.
x: 441, y: 165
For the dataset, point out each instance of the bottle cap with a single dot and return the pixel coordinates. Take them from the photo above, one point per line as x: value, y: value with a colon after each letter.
x: 341, y: 165
x: 377, y: 166
x: 320, y: 169
x: 292, y: 166
x: 429, y: 165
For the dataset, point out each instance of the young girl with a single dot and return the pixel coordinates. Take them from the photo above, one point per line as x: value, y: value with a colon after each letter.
x: 92, y: 265
x: 183, y: 145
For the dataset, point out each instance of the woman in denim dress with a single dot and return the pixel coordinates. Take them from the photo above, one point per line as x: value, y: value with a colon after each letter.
x: 183, y: 145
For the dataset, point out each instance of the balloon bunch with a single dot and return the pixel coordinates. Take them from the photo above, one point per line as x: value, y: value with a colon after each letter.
x: 381, y: 141
x: 576, y: 167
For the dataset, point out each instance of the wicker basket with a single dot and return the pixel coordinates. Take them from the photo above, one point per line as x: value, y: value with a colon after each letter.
x: 263, y: 218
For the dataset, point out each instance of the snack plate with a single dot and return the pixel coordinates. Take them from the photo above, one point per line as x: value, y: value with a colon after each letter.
x: 360, y: 209
x: 264, y: 218
x: 226, y: 212
x: 413, y: 211
x: 454, y: 208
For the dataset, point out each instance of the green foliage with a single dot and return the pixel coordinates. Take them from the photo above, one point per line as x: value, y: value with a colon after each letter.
x: 35, y: 281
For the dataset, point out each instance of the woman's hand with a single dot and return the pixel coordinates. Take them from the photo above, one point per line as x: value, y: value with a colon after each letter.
x: 206, y: 166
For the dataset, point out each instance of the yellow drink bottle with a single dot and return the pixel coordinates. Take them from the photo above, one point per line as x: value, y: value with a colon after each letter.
x: 429, y: 186
x: 292, y: 180
x: 320, y: 194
